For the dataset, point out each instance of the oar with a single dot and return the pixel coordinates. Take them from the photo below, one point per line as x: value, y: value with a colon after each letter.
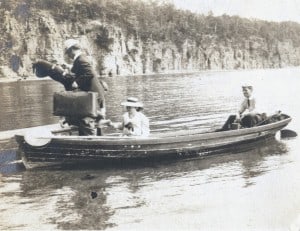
x: 287, y: 133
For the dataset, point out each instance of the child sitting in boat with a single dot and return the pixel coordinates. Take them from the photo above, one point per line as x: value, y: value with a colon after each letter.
x: 246, y: 116
x: 134, y: 122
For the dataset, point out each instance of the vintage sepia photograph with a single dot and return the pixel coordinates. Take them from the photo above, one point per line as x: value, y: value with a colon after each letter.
x: 150, y: 115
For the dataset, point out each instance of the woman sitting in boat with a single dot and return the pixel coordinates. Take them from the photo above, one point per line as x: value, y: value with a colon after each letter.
x: 134, y: 122
x: 246, y: 116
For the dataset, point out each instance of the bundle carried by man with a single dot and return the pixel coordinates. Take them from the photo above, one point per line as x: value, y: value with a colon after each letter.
x: 43, y: 68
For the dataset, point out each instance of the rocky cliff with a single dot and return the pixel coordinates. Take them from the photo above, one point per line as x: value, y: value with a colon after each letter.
x: 30, y: 33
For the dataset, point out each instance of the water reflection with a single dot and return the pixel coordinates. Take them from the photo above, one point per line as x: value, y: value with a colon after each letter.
x: 67, y: 197
x: 256, y: 162
x: 62, y: 199
x: 9, y: 159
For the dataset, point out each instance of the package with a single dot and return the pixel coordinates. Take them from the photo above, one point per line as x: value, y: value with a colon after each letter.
x: 75, y: 104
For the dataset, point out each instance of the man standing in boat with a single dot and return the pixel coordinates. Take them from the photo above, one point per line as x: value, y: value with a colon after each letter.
x: 86, y: 78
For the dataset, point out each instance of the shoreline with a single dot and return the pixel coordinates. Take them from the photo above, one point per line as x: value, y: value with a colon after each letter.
x: 33, y: 78
x: 175, y: 73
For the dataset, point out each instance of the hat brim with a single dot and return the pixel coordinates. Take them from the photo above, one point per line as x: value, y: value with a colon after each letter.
x: 71, y: 43
x: 67, y: 50
x: 132, y: 104
x: 247, y: 87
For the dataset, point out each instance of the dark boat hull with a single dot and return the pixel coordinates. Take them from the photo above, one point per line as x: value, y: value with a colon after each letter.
x: 184, y: 144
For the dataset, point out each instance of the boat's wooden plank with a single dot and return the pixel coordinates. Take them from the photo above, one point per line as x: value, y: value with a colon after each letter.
x: 94, y: 142
x: 178, y: 144
x: 192, y: 141
x: 90, y: 152
x: 184, y: 136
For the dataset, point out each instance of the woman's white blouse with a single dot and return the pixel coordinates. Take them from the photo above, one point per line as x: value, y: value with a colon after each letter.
x: 140, y: 125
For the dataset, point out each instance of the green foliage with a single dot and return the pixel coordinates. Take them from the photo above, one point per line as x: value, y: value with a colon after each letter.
x: 163, y: 22
x: 160, y: 21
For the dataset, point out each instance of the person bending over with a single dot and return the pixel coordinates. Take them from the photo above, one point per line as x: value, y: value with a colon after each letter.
x: 86, y: 79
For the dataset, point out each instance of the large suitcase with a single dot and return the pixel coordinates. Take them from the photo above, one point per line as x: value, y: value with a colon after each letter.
x: 75, y: 104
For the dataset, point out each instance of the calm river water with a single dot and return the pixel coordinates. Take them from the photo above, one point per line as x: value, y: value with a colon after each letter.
x: 255, y: 188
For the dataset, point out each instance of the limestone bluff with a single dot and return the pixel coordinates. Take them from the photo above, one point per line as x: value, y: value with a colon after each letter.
x: 128, y: 37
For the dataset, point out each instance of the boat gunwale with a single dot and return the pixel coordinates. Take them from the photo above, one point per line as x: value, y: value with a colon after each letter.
x: 180, y: 136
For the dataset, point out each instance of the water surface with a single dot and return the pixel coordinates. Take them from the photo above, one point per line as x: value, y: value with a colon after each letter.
x: 253, y: 188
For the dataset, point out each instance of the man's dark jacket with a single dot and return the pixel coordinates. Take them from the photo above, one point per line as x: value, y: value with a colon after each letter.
x: 86, y: 78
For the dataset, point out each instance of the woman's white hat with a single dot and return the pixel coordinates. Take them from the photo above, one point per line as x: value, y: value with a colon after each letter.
x: 71, y: 43
x: 132, y: 102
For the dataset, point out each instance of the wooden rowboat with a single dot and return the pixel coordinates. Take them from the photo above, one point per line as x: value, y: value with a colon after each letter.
x: 56, y: 148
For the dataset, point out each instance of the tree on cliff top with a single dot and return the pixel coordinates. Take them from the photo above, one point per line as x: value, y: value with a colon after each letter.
x: 160, y: 21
